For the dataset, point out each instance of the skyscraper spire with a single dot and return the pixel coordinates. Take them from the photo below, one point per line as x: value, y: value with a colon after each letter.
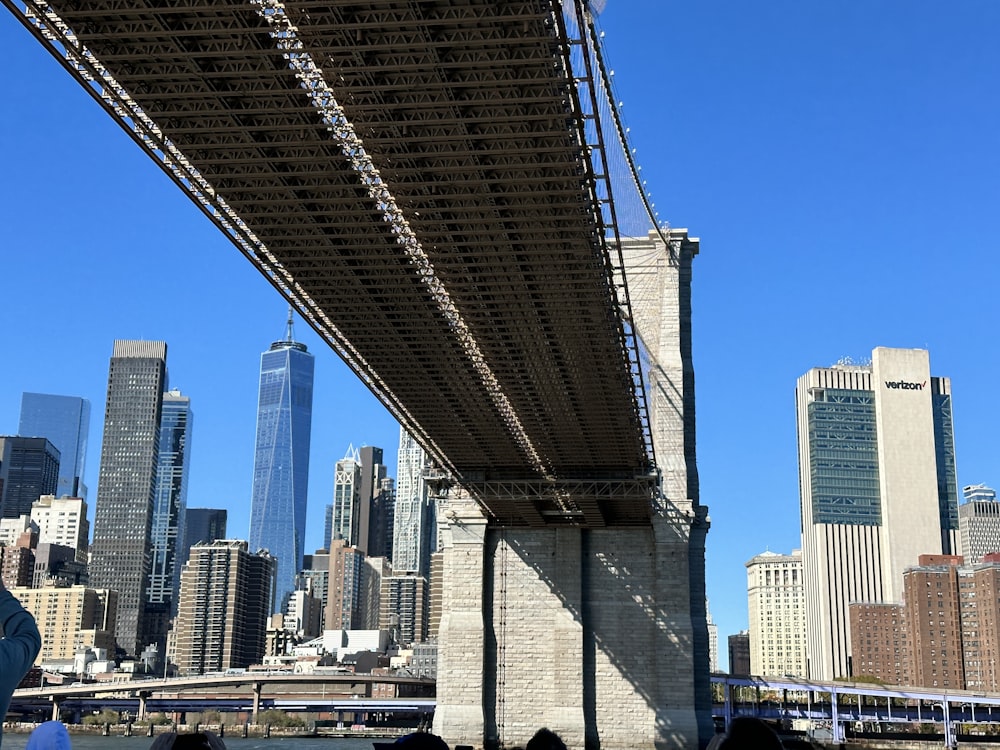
x: 290, y: 335
x: 289, y: 342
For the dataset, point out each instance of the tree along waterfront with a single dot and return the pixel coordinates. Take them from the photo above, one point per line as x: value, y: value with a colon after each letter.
x: 14, y: 741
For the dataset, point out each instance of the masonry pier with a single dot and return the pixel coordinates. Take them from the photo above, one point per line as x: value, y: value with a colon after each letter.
x: 598, y: 633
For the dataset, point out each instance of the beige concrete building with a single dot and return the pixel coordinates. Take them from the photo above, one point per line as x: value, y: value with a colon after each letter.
x: 11, y: 529
x: 713, y: 642
x: 65, y: 615
x: 62, y: 521
x: 878, y: 488
x: 776, y: 601
x: 225, y: 599
x: 374, y: 570
x: 436, y: 596
x: 979, y: 522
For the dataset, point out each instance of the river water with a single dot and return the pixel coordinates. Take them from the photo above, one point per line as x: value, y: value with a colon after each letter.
x: 13, y: 741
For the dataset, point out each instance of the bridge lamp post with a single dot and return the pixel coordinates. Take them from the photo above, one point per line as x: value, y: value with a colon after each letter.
x: 950, y: 740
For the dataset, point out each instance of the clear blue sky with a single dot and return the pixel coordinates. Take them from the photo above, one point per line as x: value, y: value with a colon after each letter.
x: 839, y: 161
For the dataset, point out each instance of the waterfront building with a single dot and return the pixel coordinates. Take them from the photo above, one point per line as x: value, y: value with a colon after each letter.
x: 414, y: 521
x: 879, y: 642
x: 18, y: 562
x: 374, y: 571
x: 713, y: 636
x: 347, y: 500
x: 344, y: 586
x: 776, y: 600
x: 29, y: 468
x: 316, y: 570
x: 945, y: 634
x: 878, y: 488
x: 979, y: 522
x: 435, y: 596
x: 130, y: 447
x: 56, y: 565
x: 65, y: 421
x: 934, y: 624
x: 11, y: 529
x: 305, y: 613
x: 202, y: 525
x: 424, y: 661
x: 281, y: 458
x: 223, y: 608
x: 739, y: 653
x: 69, y: 617
x: 979, y: 600
x: 170, y: 504
x: 404, y: 608
x: 63, y: 521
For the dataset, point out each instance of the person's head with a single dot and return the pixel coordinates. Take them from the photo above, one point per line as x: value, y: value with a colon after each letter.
x: 545, y: 739
x: 749, y: 733
x: 420, y: 741
x: 51, y: 735
x: 188, y: 741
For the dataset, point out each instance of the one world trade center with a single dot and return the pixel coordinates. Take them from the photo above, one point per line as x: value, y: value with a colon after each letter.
x: 281, y: 458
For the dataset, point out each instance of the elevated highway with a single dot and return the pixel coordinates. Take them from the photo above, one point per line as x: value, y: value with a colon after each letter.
x: 250, y: 692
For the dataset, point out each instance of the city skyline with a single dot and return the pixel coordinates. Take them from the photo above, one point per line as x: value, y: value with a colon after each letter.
x: 855, y: 158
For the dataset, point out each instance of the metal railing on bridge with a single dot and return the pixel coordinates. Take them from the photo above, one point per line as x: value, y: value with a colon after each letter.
x: 831, y: 708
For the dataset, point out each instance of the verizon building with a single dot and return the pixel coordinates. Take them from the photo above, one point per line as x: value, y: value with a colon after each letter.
x: 878, y: 489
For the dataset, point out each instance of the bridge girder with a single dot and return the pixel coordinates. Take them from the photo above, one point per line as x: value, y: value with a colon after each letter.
x: 498, y: 341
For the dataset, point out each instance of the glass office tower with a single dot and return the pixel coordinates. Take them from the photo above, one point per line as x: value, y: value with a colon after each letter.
x: 29, y: 468
x: 281, y: 458
x: 176, y: 422
x: 130, y: 451
x: 65, y: 421
x: 878, y: 489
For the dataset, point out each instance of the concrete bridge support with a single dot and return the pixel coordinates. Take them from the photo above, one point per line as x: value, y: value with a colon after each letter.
x: 255, y: 711
x: 599, y: 634
x: 587, y: 632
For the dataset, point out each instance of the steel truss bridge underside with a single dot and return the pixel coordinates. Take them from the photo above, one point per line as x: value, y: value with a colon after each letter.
x: 425, y: 180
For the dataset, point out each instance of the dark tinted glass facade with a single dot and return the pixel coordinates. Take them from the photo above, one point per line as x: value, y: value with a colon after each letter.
x: 65, y: 421
x: 944, y: 445
x: 176, y: 422
x: 843, y: 458
x: 202, y: 525
x: 29, y: 468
